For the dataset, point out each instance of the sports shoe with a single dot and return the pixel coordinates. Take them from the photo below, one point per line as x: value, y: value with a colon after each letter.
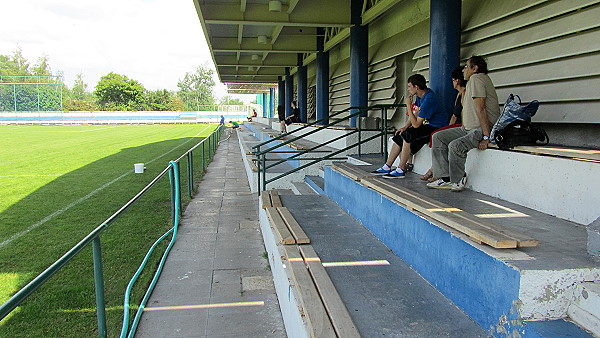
x: 394, y: 174
x: 439, y: 184
x: 460, y: 186
x: 381, y: 171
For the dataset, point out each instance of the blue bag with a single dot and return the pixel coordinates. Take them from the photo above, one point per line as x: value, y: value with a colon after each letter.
x: 514, y: 111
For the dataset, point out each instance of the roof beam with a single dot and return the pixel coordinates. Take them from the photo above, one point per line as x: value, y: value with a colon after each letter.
x: 296, y: 44
x: 258, y: 14
x: 243, y: 6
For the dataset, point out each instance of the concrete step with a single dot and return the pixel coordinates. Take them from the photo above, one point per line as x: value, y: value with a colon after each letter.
x: 302, y: 188
x: 383, y: 295
x: 504, y: 290
x: 585, y: 309
x: 317, y: 183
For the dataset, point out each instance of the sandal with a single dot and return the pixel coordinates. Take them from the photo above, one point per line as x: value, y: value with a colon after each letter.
x: 428, y: 175
x: 409, y: 167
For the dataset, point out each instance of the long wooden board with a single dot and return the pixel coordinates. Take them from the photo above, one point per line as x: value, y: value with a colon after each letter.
x: 281, y: 231
x: 351, y: 171
x: 293, y: 226
x: 338, y: 313
x: 275, y: 200
x: 265, y: 198
x: 314, y: 311
x: 455, y: 218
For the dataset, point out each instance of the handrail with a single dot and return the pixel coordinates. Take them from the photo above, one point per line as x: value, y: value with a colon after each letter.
x: 361, y: 110
x: 261, y: 155
x: 94, y: 238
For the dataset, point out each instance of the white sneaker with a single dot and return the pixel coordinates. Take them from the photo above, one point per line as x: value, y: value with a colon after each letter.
x: 460, y: 186
x: 439, y: 184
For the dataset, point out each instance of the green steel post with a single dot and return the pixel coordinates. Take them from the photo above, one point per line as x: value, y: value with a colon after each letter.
x: 99, y: 281
x: 190, y: 163
x: 384, y: 124
x: 203, y: 165
x: 259, y: 168
x: 172, y: 182
x: 264, y: 172
x: 359, y: 133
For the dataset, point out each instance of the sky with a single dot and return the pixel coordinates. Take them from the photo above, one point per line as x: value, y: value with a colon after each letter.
x: 152, y: 41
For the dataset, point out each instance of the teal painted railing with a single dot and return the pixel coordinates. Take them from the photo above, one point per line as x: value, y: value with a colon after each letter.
x: 209, y: 144
x: 261, y: 155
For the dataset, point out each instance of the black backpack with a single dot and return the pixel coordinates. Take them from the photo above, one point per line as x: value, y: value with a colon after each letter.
x: 521, y: 133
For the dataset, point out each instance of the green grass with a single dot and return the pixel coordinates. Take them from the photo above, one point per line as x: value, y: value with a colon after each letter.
x: 57, y: 183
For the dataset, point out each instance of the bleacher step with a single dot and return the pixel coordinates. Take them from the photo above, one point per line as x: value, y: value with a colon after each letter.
x: 317, y: 183
x: 382, y: 294
x: 301, y: 188
x: 585, y: 310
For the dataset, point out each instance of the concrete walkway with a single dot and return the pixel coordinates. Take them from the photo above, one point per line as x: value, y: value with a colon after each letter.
x: 216, y: 282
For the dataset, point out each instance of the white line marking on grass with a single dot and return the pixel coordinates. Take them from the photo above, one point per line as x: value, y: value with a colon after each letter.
x: 53, y: 175
x: 85, y: 131
x: 72, y: 204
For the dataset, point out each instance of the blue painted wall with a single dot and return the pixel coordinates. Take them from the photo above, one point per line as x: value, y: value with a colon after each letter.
x: 483, y: 287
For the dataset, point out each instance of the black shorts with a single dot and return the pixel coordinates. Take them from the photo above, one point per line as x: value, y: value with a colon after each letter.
x: 416, y: 137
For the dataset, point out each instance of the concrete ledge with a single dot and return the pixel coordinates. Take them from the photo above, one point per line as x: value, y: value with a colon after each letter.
x: 556, y: 186
x: 486, y: 284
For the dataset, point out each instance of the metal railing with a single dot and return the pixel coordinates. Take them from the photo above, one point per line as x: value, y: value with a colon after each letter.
x: 261, y: 155
x: 209, y: 144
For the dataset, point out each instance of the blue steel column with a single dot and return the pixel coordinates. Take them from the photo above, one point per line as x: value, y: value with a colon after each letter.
x: 322, y: 92
x: 271, y: 102
x: 444, y: 50
x: 302, y: 88
x: 289, y: 92
x: 359, y: 63
x: 264, y: 104
x: 281, y: 92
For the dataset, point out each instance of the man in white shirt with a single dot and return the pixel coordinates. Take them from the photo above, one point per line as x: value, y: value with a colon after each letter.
x: 480, y: 111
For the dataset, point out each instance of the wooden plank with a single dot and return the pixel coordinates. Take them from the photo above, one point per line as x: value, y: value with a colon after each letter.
x: 462, y: 216
x: 338, y: 313
x: 312, y: 307
x: 471, y: 229
x: 275, y: 200
x: 293, y: 226
x: 351, y: 171
x: 265, y: 198
x: 281, y: 231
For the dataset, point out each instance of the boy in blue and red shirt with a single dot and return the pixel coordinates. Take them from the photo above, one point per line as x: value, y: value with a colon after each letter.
x: 425, y: 115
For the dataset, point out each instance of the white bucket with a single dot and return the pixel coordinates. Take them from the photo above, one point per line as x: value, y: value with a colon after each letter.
x: 138, y: 168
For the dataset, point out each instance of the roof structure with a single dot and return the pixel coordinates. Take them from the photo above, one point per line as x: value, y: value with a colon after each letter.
x: 253, y: 41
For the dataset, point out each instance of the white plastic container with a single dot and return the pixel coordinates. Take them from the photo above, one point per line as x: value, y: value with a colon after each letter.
x: 138, y: 168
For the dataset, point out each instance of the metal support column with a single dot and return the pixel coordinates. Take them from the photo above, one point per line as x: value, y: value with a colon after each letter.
x: 271, y: 102
x: 289, y: 92
x: 359, y: 61
x: 265, y: 105
x: 281, y: 92
x: 302, y: 88
x: 322, y: 92
x: 444, y: 51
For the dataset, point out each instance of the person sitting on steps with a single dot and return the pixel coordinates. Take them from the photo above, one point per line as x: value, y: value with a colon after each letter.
x: 459, y: 83
x: 425, y: 115
x: 480, y: 111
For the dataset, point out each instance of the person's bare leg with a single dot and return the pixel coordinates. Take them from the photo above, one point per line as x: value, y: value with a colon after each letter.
x: 404, y: 155
x: 394, y: 152
x: 282, y: 129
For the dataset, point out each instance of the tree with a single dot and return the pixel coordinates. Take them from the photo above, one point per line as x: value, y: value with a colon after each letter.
x: 163, y: 100
x: 228, y: 100
x: 196, y: 89
x: 80, y: 89
x: 118, y: 92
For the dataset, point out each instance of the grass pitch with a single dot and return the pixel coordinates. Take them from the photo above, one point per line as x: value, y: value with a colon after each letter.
x: 57, y: 183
